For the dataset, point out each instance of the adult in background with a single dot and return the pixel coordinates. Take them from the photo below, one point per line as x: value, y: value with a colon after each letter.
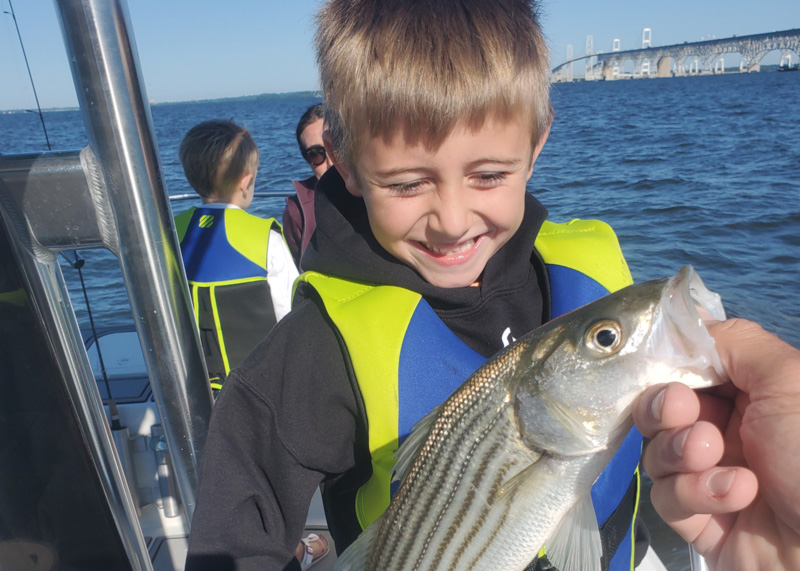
x: 298, y: 216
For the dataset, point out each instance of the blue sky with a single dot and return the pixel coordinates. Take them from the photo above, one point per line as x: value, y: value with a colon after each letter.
x: 198, y: 49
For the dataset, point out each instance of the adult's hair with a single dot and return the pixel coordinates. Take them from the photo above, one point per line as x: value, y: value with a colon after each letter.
x: 312, y: 114
x: 215, y: 156
x: 419, y: 67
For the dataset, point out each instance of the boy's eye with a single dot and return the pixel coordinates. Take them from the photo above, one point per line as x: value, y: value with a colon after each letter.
x: 406, y: 187
x: 490, y: 179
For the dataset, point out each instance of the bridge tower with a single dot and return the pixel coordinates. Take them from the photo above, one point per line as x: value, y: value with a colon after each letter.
x: 568, y: 70
x: 647, y: 42
x: 590, y: 61
x: 616, y: 46
x: 647, y: 38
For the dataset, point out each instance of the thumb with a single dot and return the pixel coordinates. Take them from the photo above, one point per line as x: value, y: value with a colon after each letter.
x: 757, y: 362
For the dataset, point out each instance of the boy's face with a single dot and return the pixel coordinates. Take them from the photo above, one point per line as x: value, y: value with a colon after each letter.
x: 445, y: 212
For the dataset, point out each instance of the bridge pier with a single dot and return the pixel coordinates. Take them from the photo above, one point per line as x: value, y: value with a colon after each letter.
x: 664, y: 67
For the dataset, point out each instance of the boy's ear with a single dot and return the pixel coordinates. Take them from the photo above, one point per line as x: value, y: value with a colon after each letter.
x: 245, y: 182
x: 347, y: 175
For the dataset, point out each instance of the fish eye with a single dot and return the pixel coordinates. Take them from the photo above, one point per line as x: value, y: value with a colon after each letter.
x: 604, y: 337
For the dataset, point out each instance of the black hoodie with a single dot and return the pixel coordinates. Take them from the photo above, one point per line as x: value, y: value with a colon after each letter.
x: 291, y: 418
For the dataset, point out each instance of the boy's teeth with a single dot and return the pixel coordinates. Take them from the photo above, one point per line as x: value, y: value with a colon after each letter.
x: 460, y: 248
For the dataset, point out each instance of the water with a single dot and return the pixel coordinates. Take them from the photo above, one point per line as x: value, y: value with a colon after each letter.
x: 699, y: 171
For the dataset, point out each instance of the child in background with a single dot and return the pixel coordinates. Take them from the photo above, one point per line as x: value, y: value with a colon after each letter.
x: 429, y: 256
x: 238, y: 266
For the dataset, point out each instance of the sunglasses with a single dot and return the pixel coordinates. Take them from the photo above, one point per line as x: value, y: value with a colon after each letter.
x: 315, y: 155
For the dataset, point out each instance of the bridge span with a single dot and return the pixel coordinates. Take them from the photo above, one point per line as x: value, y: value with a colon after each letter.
x: 688, y: 58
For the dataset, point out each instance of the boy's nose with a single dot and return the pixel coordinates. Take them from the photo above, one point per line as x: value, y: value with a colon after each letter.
x: 451, y: 215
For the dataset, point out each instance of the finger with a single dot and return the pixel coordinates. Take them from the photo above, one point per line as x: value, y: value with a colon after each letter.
x: 692, y: 448
x: 717, y: 403
x: 757, y: 361
x: 680, y: 498
x: 663, y: 407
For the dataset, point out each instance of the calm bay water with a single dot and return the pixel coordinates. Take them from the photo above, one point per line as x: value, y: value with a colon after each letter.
x: 699, y: 171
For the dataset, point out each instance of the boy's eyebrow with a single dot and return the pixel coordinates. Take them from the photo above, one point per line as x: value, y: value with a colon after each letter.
x: 490, y: 160
x: 399, y: 170
x: 498, y: 161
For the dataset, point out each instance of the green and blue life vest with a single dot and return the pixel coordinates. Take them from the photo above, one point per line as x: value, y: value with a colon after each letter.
x: 406, y: 362
x: 224, y: 252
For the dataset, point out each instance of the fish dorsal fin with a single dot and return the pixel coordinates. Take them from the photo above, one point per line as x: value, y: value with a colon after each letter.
x: 575, y: 544
x: 412, y: 446
x: 355, y: 556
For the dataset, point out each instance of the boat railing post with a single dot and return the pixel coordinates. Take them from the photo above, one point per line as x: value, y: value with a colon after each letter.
x: 696, y: 561
x: 111, y: 94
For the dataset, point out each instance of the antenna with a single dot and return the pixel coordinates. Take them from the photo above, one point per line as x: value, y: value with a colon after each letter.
x: 30, y: 76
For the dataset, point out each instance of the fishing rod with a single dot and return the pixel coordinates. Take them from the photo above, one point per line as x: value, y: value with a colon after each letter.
x: 30, y: 75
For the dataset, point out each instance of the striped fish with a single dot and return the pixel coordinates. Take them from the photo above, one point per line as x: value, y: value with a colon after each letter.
x: 505, y: 465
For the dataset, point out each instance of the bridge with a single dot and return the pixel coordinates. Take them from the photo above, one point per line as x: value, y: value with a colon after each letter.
x: 688, y: 58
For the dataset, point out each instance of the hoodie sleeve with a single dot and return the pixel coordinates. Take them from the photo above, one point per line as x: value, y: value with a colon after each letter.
x: 284, y: 422
x: 281, y: 273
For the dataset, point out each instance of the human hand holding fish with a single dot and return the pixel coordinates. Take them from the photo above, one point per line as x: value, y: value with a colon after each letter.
x: 506, y: 464
x: 725, y: 464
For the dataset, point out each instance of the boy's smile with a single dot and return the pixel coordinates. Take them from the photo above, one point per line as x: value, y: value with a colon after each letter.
x: 446, y: 212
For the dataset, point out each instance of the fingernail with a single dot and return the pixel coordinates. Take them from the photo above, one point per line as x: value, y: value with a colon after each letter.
x: 679, y: 441
x: 657, y: 403
x: 720, y: 482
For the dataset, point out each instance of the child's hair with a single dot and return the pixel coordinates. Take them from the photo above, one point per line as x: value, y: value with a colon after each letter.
x: 215, y: 156
x: 311, y: 115
x: 418, y: 67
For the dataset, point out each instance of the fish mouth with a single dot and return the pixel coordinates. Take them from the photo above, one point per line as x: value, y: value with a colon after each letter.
x: 680, y: 338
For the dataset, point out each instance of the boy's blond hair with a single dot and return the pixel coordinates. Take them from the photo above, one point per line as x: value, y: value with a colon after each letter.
x: 419, y: 67
x: 216, y: 155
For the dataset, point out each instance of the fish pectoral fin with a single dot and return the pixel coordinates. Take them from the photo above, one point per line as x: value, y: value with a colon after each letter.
x: 357, y: 553
x: 508, y: 487
x: 575, y: 544
x: 566, y: 416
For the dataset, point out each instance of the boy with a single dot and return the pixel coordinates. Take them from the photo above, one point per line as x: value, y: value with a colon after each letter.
x: 298, y: 216
x: 239, y: 269
x: 423, y: 266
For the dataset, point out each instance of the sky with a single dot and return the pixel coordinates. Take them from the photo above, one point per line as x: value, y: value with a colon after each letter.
x: 199, y: 49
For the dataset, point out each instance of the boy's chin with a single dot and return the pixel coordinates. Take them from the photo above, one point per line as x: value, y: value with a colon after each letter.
x: 443, y: 280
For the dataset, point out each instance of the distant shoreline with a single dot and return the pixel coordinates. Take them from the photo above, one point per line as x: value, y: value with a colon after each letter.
x: 316, y: 94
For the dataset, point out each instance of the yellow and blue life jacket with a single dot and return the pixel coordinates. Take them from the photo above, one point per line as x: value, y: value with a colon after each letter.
x: 224, y: 252
x: 407, y: 361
